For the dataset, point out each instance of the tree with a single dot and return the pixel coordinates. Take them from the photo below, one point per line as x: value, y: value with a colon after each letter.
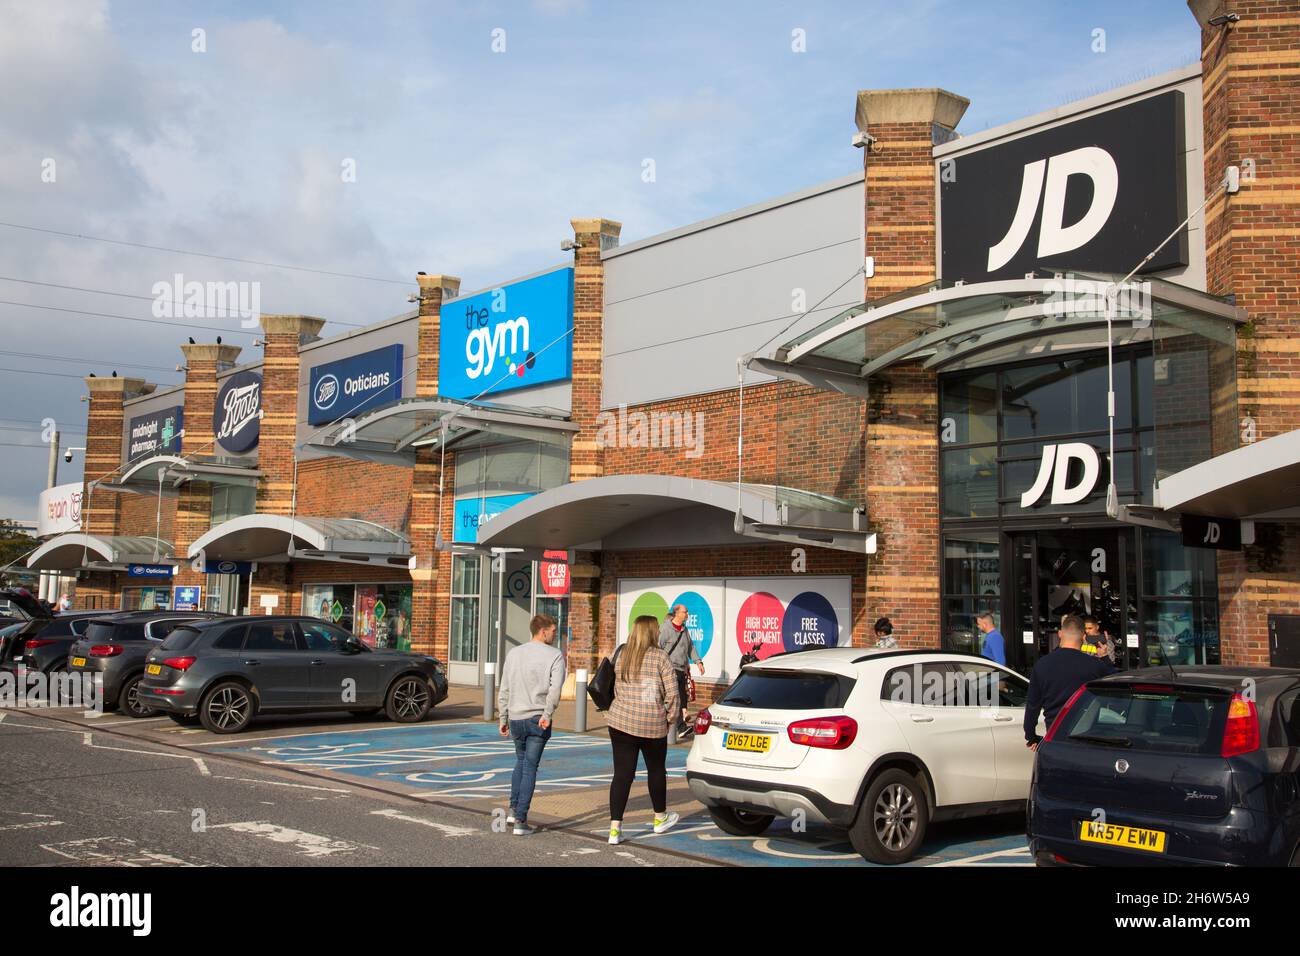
x: 15, y: 543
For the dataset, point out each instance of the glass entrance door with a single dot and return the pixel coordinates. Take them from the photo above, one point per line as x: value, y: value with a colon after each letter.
x: 1080, y: 571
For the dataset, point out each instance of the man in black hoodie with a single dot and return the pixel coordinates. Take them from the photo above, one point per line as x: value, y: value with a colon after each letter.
x: 1058, y: 675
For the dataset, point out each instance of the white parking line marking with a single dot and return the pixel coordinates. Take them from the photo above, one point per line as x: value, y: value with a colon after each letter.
x: 451, y: 831
x: 281, y: 783
x: 327, y: 733
x: 131, y: 721
x: 308, y: 844
x: 980, y: 858
x: 32, y: 825
x: 112, y: 851
x: 634, y: 857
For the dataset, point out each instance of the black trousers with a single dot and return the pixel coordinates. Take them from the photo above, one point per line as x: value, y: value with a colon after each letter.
x: 626, y: 748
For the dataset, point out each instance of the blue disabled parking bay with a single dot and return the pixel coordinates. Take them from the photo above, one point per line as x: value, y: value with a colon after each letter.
x: 471, y: 763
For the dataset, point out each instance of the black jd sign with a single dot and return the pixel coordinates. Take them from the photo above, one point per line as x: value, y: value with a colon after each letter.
x: 1220, y: 534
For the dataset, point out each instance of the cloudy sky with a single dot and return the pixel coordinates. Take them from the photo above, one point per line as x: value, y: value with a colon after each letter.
x: 469, y: 159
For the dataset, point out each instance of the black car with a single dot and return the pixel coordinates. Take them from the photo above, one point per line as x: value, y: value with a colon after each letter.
x: 116, y: 647
x: 224, y: 672
x: 1188, y: 765
x: 41, y: 643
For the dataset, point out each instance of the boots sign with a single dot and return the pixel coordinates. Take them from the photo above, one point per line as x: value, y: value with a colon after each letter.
x: 1096, y: 194
x: 236, y: 420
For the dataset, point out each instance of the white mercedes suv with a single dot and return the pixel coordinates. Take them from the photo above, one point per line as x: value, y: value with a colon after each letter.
x: 878, y: 742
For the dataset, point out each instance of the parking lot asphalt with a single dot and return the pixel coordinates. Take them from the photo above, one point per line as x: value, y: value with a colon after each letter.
x: 457, y: 761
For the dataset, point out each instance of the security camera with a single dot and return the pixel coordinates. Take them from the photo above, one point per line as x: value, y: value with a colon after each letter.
x: 1223, y: 18
x: 863, y: 140
x: 67, y: 455
x: 568, y: 245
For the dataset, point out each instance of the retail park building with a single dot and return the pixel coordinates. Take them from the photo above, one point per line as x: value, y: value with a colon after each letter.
x: 924, y: 410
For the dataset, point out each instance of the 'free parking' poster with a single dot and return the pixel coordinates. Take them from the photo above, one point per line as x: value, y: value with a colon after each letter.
x: 726, y: 617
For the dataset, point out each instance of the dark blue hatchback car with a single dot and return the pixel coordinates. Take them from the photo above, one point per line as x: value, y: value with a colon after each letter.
x: 1188, y: 765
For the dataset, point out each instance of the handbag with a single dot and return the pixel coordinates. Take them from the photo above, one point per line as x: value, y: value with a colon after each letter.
x: 690, y: 688
x: 601, y: 687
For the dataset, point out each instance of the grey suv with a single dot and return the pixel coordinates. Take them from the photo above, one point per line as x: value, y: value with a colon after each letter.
x: 116, y: 647
x: 224, y: 672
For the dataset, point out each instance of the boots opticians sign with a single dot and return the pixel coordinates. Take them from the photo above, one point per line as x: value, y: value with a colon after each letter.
x: 1097, y: 194
x: 355, y: 384
x: 236, y: 421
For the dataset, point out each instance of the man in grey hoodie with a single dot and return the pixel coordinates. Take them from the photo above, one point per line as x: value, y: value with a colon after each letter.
x: 531, y: 679
x: 675, y: 639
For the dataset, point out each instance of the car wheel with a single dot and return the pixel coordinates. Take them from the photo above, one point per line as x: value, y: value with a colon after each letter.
x: 891, y: 821
x: 409, y: 700
x: 129, y: 702
x: 740, y: 822
x: 185, y: 720
x: 227, y: 708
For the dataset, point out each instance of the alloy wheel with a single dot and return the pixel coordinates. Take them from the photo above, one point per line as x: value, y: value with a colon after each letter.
x: 228, y: 707
x: 895, y: 817
x: 410, y: 697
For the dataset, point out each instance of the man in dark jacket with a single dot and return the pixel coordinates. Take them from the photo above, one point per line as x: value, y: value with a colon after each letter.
x: 1058, y: 675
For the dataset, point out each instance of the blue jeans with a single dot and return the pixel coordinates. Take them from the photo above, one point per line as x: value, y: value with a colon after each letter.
x: 530, y: 741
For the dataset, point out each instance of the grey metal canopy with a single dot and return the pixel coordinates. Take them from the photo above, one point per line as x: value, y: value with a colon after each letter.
x: 98, y: 552
x: 392, y: 434
x: 268, y: 538
x: 624, y: 512
x: 167, y: 473
x: 1261, y: 480
x: 951, y: 327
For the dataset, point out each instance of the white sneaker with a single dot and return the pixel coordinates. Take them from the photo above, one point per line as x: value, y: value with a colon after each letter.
x: 523, y: 829
x: 615, y: 836
x: 666, y: 822
x: 510, y: 820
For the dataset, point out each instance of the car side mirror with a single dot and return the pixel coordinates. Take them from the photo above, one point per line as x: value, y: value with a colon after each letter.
x: 352, y: 645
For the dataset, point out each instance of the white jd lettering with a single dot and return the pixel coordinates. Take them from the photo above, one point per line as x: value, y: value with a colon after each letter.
x: 1054, y: 236
x: 1211, y: 533
x: 1055, y: 467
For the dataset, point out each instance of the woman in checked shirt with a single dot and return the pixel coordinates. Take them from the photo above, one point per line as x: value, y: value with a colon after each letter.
x: 645, y: 703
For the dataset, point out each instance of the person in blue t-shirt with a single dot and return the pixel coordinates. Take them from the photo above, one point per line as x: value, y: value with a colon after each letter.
x: 994, y: 648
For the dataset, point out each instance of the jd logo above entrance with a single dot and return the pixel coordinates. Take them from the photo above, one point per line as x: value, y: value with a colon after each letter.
x: 1054, y: 237
x: 1055, y: 468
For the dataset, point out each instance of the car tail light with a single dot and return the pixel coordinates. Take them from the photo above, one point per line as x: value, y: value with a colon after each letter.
x: 1060, y: 859
x: 180, y: 663
x: 106, y: 650
x: 1051, y: 731
x: 164, y: 690
x: 833, y: 733
x: 1241, y: 732
x: 34, y: 642
x: 703, y: 721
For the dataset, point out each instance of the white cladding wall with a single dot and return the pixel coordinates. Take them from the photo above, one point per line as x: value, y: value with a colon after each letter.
x: 681, y: 307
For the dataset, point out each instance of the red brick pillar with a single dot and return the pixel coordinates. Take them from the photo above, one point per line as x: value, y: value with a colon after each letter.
x: 593, y: 236
x: 431, y: 576
x: 194, y: 505
x: 903, y: 579
x: 585, y: 457
x: 1251, y: 111
x: 99, y: 511
x: 283, y: 335
x: 278, y: 432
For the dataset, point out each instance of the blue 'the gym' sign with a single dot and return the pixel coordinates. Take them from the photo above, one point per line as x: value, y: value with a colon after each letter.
x: 355, y: 384
x: 507, y: 338
x: 473, y: 512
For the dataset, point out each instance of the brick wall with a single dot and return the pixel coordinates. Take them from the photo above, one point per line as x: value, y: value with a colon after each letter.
x: 903, y: 582
x: 1251, y: 103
